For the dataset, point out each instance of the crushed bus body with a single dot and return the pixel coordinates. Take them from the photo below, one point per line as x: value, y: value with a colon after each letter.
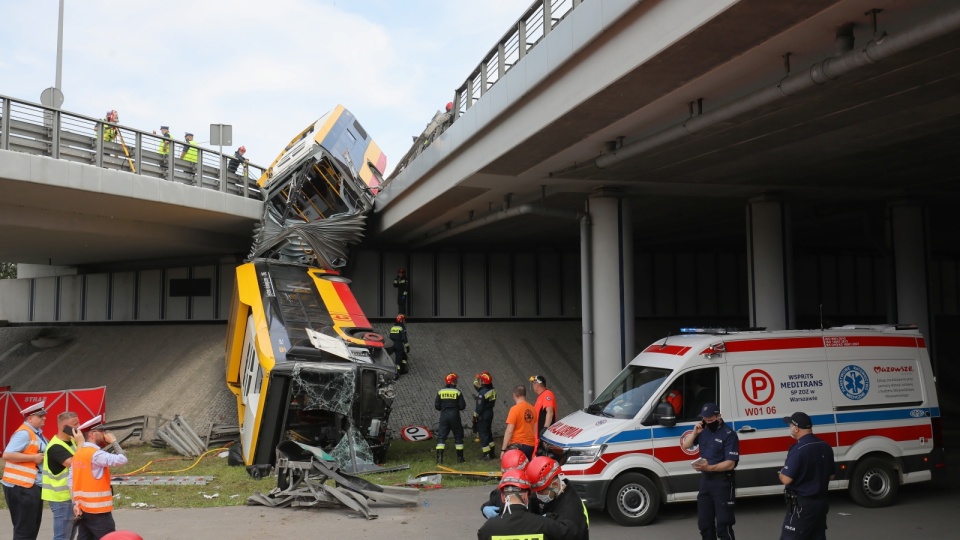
x: 301, y: 358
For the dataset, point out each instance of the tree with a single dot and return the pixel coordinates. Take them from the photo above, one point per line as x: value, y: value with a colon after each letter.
x: 8, y: 270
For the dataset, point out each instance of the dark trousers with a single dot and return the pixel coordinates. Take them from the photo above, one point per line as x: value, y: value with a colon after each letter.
x: 715, y: 506
x: 95, y: 526
x: 401, y: 357
x: 485, y: 430
x: 450, y: 421
x: 26, y: 510
x: 806, y: 519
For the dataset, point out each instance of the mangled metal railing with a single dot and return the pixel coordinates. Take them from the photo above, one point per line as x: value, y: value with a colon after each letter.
x: 302, y: 475
x: 178, y: 434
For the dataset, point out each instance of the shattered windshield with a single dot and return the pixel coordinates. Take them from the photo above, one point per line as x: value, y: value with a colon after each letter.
x: 629, y: 392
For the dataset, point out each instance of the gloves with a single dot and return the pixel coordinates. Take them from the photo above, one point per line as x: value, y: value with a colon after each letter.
x: 406, y: 347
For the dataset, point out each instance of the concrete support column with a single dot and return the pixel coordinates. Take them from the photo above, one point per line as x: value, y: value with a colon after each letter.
x: 769, y: 275
x: 907, y: 234
x: 611, y: 268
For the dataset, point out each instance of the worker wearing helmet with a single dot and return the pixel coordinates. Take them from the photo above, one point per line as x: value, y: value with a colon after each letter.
x: 401, y: 345
x: 556, y: 497
x: 110, y: 131
x: 516, y: 521
x: 512, y: 460
x: 402, y: 285
x: 237, y: 159
x: 483, y: 413
x: 450, y: 402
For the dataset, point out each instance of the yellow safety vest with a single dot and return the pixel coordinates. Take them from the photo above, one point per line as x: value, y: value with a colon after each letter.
x: 191, y: 154
x: 164, y: 145
x: 54, y: 486
x: 109, y: 132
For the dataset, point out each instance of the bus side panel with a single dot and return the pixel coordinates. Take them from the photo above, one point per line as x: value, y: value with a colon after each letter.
x: 274, y: 399
x: 236, y: 334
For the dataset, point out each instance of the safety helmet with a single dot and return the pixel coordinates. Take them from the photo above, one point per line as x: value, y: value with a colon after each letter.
x: 401, y: 317
x: 541, y: 471
x: 112, y: 115
x: 452, y: 379
x: 402, y: 272
x: 513, y: 459
x: 449, y: 106
x: 513, y: 479
x: 242, y: 149
x: 122, y: 535
x: 484, y: 377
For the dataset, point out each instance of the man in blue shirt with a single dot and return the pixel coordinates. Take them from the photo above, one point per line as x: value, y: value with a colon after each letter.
x: 719, y: 454
x: 806, y: 474
x: 22, y: 473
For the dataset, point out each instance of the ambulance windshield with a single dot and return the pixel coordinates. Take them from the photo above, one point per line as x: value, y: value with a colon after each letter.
x: 628, y: 393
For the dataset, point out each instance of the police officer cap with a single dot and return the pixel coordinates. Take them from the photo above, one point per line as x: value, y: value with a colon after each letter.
x: 799, y: 419
x: 165, y: 127
x: 35, y: 409
x: 94, y: 423
x: 709, y: 409
x: 188, y: 134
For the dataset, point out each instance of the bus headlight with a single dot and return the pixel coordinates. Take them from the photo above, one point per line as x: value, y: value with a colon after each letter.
x: 584, y: 455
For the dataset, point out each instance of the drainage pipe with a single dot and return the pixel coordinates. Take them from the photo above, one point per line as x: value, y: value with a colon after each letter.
x: 818, y: 74
x: 586, y: 309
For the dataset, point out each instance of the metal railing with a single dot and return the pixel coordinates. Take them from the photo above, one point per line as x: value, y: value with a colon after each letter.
x: 535, y: 23
x: 42, y: 131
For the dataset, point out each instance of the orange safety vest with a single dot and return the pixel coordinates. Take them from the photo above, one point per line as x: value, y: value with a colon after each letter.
x: 93, y: 496
x: 23, y: 473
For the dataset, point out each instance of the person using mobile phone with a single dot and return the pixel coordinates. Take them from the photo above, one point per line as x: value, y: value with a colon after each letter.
x: 56, y: 466
x: 89, y: 479
x: 719, y: 449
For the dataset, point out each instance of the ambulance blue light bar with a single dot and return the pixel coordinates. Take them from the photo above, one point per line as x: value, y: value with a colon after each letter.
x: 703, y: 331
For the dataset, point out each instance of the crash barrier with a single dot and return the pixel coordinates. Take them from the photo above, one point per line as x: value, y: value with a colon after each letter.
x: 43, y: 131
x: 176, y: 433
x: 302, y: 475
x: 86, y: 402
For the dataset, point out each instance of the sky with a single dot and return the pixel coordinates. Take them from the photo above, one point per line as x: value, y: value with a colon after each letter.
x: 269, y: 68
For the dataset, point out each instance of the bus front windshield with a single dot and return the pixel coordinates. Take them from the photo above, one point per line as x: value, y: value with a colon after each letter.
x: 626, y: 395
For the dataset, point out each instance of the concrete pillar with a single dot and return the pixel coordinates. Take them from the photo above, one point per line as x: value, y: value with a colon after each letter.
x: 769, y: 275
x: 611, y: 260
x: 908, y: 244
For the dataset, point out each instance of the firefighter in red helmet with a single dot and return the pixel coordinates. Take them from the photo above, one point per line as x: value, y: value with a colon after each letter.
x: 402, y: 284
x: 556, y: 497
x: 401, y: 343
x: 483, y: 413
x: 450, y: 402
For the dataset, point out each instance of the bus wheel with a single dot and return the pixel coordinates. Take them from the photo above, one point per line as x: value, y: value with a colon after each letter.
x: 874, y: 483
x: 633, y: 499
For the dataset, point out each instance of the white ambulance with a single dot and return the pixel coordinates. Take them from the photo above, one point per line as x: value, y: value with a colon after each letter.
x: 869, y: 390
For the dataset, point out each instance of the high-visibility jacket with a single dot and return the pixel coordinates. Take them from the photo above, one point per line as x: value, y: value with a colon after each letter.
x: 54, y: 486
x: 109, y: 132
x: 92, y: 495
x: 164, y: 148
x: 23, y: 473
x: 191, y: 153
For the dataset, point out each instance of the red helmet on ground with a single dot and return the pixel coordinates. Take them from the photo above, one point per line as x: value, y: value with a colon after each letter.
x: 513, y: 460
x: 452, y: 379
x: 541, y: 471
x: 513, y: 479
x: 122, y: 535
x: 401, y: 317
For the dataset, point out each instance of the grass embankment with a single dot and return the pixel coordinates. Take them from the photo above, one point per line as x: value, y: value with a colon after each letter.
x: 232, y: 485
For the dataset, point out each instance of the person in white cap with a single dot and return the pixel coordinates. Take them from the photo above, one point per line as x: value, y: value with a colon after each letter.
x: 89, y: 479
x: 21, y: 473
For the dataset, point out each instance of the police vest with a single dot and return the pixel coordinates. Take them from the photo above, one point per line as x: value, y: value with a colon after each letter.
x: 55, y: 485
x: 164, y: 148
x: 92, y: 495
x: 23, y: 473
x: 191, y: 154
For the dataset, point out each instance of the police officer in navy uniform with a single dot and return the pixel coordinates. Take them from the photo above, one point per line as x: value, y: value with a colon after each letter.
x: 450, y: 402
x: 719, y: 454
x: 806, y: 473
x: 483, y: 413
x: 401, y: 344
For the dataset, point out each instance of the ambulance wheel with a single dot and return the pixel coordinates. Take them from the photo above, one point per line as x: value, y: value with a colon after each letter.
x: 874, y: 483
x: 633, y: 499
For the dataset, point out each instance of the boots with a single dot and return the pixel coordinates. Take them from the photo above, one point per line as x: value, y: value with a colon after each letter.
x: 486, y: 456
x: 439, y: 457
x: 460, y: 456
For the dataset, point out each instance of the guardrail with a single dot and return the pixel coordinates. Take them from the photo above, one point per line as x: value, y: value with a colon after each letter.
x: 529, y: 29
x: 34, y: 129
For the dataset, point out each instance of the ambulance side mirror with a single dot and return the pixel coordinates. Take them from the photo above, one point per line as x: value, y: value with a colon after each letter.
x: 664, y: 415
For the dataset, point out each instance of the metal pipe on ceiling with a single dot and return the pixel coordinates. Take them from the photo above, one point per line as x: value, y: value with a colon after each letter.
x: 819, y: 74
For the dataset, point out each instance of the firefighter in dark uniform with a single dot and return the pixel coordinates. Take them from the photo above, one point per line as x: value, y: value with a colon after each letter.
x: 401, y: 345
x: 483, y: 413
x: 719, y: 454
x: 558, y: 500
x: 515, y: 521
x: 806, y: 473
x: 450, y: 402
x: 402, y: 285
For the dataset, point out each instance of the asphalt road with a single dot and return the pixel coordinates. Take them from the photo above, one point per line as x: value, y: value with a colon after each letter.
x: 927, y: 510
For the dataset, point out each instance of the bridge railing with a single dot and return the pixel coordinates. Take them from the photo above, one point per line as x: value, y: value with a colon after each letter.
x: 34, y: 129
x: 535, y: 24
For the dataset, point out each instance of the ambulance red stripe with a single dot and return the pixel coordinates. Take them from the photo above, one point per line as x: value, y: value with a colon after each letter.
x: 669, y: 349
x: 754, y: 345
